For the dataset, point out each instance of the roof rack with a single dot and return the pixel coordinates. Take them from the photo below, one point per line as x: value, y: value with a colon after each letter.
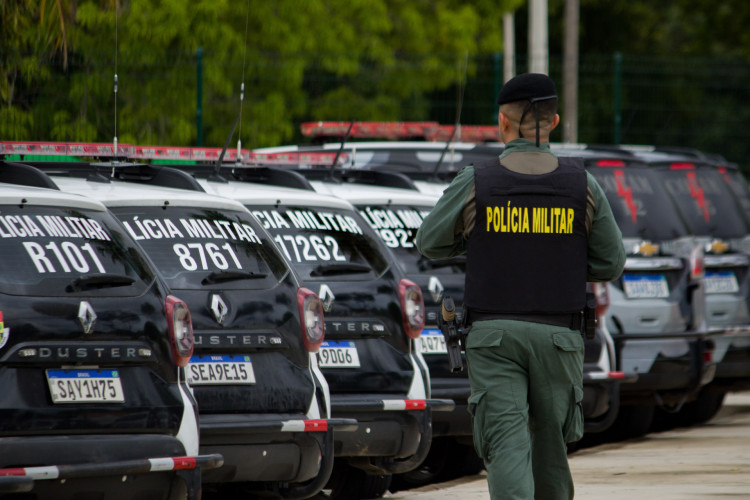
x: 157, y: 175
x: 25, y: 175
x: 271, y: 175
x: 400, y: 131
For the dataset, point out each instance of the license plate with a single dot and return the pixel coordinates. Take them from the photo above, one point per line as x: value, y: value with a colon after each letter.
x: 218, y: 369
x: 432, y: 342
x: 338, y: 355
x: 721, y: 282
x: 85, y: 386
x: 645, y: 286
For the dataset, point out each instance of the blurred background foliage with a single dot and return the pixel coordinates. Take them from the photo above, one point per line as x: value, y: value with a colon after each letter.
x: 682, y: 65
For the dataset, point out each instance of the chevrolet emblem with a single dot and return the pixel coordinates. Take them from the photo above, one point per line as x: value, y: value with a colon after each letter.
x: 647, y: 249
x: 717, y: 247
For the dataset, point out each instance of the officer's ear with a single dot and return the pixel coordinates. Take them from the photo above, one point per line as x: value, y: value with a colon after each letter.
x: 555, y: 122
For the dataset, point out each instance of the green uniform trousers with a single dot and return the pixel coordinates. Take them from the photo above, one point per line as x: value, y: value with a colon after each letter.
x: 526, y: 392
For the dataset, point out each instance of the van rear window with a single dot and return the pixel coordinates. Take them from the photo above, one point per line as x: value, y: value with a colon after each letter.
x: 48, y: 251
x: 704, y: 201
x: 397, y: 226
x: 640, y: 204
x: 196, y: 247
x: 324, y: 242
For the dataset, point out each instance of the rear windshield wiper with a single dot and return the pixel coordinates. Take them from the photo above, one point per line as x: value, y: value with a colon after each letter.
x: 221, y: 276
x: 103, y: 280
x: 340, y: 268
x: 427, y: 264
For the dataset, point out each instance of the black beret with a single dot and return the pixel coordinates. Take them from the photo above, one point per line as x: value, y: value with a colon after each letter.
x: 527, y: 86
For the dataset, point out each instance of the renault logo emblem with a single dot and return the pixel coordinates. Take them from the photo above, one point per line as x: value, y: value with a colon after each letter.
x: 436, y: 288
x: 219, y: 308
x: 86, y: 316
x: 326, y: 297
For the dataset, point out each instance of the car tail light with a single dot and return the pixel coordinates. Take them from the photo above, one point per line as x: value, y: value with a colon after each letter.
x: 412, y: 307
x: 311, y: 319
x: 180, y: 330
x: 697, y: 265
x: 601, y: 292
x: 610, y: 163
x: 682, y: 166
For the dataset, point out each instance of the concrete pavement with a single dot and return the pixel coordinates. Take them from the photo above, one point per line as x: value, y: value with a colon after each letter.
x: 711, y: 461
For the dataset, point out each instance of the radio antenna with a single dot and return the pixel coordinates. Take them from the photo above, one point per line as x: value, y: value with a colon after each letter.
x: 459, y: 106
x: 242, y: 87
x: 341, y: 148
x: 115, y: 85
x: 238, y: 119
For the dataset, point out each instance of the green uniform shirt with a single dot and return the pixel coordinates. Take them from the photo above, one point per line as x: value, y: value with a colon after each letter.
x: 444, y: 232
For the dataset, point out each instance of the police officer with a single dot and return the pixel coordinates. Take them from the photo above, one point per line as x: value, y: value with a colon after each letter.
x: 535, y: 228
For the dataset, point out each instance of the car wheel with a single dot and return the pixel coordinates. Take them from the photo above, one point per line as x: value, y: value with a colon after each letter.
x: 350, y: 483
x: 702, y: 409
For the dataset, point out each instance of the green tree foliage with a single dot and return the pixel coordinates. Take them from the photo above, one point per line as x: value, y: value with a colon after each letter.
x: 299, y: 60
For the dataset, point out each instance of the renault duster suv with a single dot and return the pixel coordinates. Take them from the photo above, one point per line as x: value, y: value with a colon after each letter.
x: 264, y: 404
x: 92, y: 348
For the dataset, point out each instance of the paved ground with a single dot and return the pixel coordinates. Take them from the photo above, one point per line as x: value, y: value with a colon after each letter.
x: 711, y: 461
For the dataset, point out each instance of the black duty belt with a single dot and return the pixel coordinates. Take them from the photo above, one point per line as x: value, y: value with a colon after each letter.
x: 565, y: 320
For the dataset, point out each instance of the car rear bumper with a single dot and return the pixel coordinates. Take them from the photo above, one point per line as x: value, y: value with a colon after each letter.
x: 62, y: 467
x: 393, y: 436
x: 269, y: 448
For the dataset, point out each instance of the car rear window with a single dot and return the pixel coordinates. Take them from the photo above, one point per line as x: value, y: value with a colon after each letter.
x: 50, y: 251
x: 195, y: 247
x: 640, y: 204
x: 704, y: 201
x: 739, y: 187
x: 397, y: 226
x: 324, y: 242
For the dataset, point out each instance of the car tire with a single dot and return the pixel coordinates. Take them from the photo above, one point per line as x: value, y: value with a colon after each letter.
x: 632, y: 422
x: 702, y: 409
x: 351, y: 483
x: 429, y: 471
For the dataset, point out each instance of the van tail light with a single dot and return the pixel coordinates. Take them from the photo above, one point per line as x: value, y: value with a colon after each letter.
x: 412, y: 307
x: 601, y: 293
x: 311, y: 319
x: 697, y: 263
x: 180, y: 327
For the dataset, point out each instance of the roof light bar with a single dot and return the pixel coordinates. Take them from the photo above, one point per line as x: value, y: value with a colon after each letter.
x: 429, y: 131
x: 104, y: 150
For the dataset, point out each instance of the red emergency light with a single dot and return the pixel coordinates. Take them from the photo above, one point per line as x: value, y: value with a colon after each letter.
x: 428, y: 131
x: 130, y: 152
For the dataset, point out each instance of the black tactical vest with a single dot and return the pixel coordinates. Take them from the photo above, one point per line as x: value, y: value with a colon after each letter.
x: 527, y: 252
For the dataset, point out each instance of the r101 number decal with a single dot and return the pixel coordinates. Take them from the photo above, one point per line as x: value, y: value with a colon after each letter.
x: 301, y: 248
x: 64, y: 257
x: 195, y: 256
